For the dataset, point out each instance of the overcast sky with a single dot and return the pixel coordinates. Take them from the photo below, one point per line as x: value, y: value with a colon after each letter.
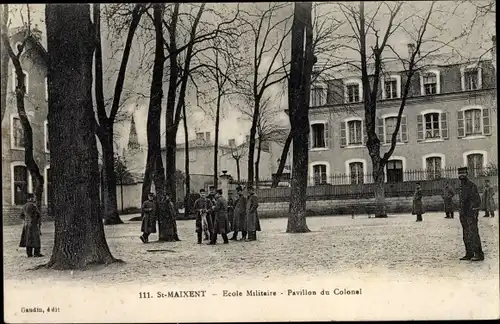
x: 233, y: 125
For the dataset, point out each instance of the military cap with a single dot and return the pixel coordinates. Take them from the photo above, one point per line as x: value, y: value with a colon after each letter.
x: 462, y: 171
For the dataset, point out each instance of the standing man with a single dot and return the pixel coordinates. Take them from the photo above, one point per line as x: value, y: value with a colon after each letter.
x: 230, y: 211
x: 211, y: 196
x: 148, y: 225
x: 488, y: 201
x: 418, y: 208
x: 172, y: 215
x: 239, y: 215
x: 221, y: 223
x: 253, y: 223
x: 202, y: 206
x: 30, y: 237
x: 470, y: 202
x: 448, y: 195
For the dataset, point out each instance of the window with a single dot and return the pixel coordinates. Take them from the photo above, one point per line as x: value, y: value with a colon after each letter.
x: 391, y: 88
x: 14, y: 80
x: 17, y: 134
x: 395, y: 171
x: 352, y: 93
x: 474, y: 121
x: 355, y: 132
x: 386, y: 126
x: 433, y: 167
x: 20, y: 184
x: 46, y: 135
x: 432, y: 129
x: 317, y: 97
x: 475, y: 163
x: 319, y: 173
x: 200, y: 136
x: 356, y: 172
x: 318, y: 135
x: 390, y: 126
x: 430, y: 83
x: 471, y: 79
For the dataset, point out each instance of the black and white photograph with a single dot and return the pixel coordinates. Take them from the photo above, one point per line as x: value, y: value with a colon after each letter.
x: 249, y: 162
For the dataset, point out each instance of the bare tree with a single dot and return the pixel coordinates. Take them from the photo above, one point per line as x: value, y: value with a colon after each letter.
x: 20, y: 93
x: 372, y: 45
x: 4, y: 57
x: 105, y: 123
x: 79, y: 232
x: 302, y: 61
x: 237, y: 152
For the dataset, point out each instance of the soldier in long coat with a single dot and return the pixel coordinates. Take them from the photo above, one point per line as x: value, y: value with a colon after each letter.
x: 253, y: 223
x: 418, y: 208
x: 202, y: 206
x: 488, y: 200
x: 221, y: 223
x: 148, y: 226
x: 449, y: 206
x: 230, y: 211
x: 239, y: 215
x: 470, y: 202
x: 30, y: 236
x: 172, y: 215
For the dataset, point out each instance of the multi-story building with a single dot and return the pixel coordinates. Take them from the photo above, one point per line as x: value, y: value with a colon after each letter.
x: 448, y: 120
x: 16, y: 180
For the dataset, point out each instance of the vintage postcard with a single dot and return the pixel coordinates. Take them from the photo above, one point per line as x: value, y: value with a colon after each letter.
x: 249, y: 162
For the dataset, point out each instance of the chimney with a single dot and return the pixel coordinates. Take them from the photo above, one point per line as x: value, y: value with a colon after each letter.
x: 199, y: 138
x: 232, y: 142
x: 207, y: 137
x: 411, y: 49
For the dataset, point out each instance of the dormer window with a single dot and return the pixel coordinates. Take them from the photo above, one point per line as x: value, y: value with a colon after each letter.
x: 430, y: 83
x: 353, y: 91
x: 318, y: 96
x: 471, y: 77
x: 391, y: 87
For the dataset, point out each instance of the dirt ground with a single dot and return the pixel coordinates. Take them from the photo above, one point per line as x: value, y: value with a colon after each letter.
x: 396, y: 246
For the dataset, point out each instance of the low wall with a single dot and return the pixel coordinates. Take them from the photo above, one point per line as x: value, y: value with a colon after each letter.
x: 11, y: 215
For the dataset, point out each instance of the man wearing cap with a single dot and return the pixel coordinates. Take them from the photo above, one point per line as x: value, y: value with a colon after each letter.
x: 148, y: 225
x: 470, y: 202
x: 239, y: 215
x: 30, y: 237
x: 221, y: 223
x: 202, y: 206
x: 488, y: 201
x: 171, y: 215
x: 253, y: 223
x: 418, y: 207
x: 448, y: 195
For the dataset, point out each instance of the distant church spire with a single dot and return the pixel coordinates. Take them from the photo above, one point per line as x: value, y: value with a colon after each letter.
x: 133, y: 141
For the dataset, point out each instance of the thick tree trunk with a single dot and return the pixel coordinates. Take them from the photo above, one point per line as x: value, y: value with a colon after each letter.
x: 187, y: 200
x: 170, y: 167
x: 257, y: 162
x: 147, y: 181
x: 79, y: 232
x: 238, y: 170
x: 111, y: 216
x: 298, y: 90
x: 251, y: 143
x: 282, y: 164
x: 379, y: 179
x: 4, y: 72
x: 216, y: 141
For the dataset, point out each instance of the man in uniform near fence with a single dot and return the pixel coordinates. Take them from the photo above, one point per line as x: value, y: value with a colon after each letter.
x: 488, y: 201
x: 448, y: 194
x: 148, y: 225
x: 221, y: 223
x: 239, y: 215
x: 253, y: 223
x: 202, y: 206
x: 470, y: 202
x: 418, y: 207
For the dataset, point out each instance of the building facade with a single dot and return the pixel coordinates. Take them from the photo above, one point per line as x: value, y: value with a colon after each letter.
x: 16, y: 180
x: 448, y: 121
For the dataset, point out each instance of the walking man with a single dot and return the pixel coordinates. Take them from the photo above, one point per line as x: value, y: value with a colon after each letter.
x: 488, y: 201
x: 253, y: 223
x: 148, y: 225
x: 202, y: 206
x: 448, y: 195
x: 221, y: 223
x: 30, y: 237
x: 418, y: 208
x: 470, y: 202
x: 239, y: 223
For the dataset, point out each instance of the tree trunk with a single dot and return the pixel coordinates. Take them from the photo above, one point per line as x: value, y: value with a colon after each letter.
x: 298, y: 90
x: 283, y: 159
x: 216, y: 141
x: 257, y: 162
x: 146, y: 184
x: 111, y: 216
x: 4, y: 72
x: 187, y: 202
x: 238, y: 170
x: 79, y: 232
x: 170, y: 166
x: 251, y: 143
x: 379, y: 179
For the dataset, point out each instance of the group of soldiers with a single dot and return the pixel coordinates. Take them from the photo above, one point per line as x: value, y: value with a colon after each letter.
x: 214, y: 216
x: 470, y: 202
x: 162, y: 211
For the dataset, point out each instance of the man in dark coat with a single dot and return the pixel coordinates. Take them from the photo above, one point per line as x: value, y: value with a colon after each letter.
x: 30, y: 237
x: 172, y: 215
x: 239, y: 215
x: 148, y: 225
x: 488, y: 200
x: 230, y: 211
x: 221, y: 223
x: 418, y: 208
x: 470, y: 202
x: 212, y: 197
x: 202, y: 206
x: 253, y: 223
x: 448, y: 194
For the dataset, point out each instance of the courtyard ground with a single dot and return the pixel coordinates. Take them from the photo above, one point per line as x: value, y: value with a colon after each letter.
x: 363, y: 251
